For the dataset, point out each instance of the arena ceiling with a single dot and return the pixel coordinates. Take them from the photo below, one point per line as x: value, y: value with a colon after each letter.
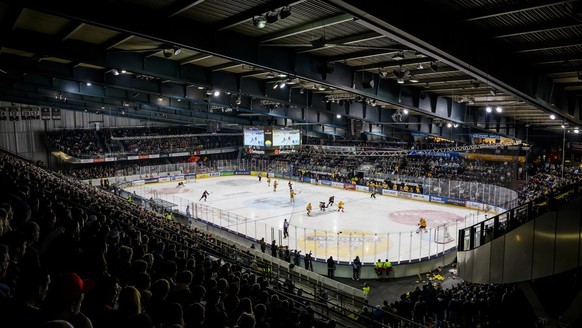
x: 443, y: 61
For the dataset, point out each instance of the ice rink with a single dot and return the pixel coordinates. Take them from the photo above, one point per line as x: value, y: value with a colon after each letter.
x: 373, y: 228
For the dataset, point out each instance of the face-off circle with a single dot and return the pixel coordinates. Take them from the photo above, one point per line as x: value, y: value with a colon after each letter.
x: 432, y: 217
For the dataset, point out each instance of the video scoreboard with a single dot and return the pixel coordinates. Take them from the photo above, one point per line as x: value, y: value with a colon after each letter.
x: 271, y: 140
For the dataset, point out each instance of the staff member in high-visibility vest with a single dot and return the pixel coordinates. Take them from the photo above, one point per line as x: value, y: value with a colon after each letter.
x: 379, y: 268
x: 366, y: 289
x: 387, y: 267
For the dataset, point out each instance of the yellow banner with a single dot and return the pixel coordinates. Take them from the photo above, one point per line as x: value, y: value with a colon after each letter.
x: 498, y: 158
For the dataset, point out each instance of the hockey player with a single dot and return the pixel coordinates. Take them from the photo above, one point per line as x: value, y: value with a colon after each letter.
x: 275, y: 183
x: 268, y: 181
x: 340, y: 206
x: 322, y: 206
x: 290, y: 185
x: 331, y: 201
x: 421, y: 225
x: 204, y: 195
x: 309, y: 208
x: 285, y: 229
x: 292, y: 195
x: 260, y: 175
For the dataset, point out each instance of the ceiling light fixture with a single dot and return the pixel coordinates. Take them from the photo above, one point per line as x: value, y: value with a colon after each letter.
x: 123, y: 71
x: 405, y: 111
x: 160, y: 98
x: 488, y: 109
x: 399, y: 56
x: 400, y: 80
x: 282, y: 74
x: 419, y: 66
x: 88, y: 84
x: 576, y: 130
x: 115, y: 72
x: 276, y: 85
x: 259, y: 22
x: 449, y: 125
x: 338, y: 116
x: 172, y: 51
x: 216, y: 93
x: 498, y: 109
x: 552, y: 117
x: 270, y: 75
x: 413, y: 79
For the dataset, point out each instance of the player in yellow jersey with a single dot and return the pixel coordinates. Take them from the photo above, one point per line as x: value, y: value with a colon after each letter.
x: 421, y: 225
x: 340, y: 206
x: 309, y: 208
x: 268, y: 181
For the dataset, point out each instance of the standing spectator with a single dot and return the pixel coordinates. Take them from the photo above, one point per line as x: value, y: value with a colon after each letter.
x: 419, y: 310
x: 274, y: 248
x: 356, y: 267
x: 263, y: 245
x: 307, y: 260
x: 330, y: 267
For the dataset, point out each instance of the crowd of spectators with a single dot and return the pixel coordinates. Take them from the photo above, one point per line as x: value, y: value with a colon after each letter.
x: 451, y: 168
x: 462, y: 305
x: 155, y: 140
x: 77, y: 256
x: 546, y: 182
x: 412, y: 168
x: 76, y: 143
x: 360, y: 144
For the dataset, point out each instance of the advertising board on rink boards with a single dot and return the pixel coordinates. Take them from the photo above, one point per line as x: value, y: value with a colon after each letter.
x: 362, y: 188
x: 389, y: 192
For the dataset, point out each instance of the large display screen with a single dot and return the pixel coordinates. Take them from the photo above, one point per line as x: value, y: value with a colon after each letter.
x: 254, y: 137
x: 286, y: 137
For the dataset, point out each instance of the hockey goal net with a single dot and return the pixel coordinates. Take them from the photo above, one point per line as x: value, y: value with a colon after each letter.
x: 442, y: 235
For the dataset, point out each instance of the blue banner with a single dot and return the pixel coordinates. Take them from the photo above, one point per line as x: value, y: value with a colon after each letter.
x: 433, y: 153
